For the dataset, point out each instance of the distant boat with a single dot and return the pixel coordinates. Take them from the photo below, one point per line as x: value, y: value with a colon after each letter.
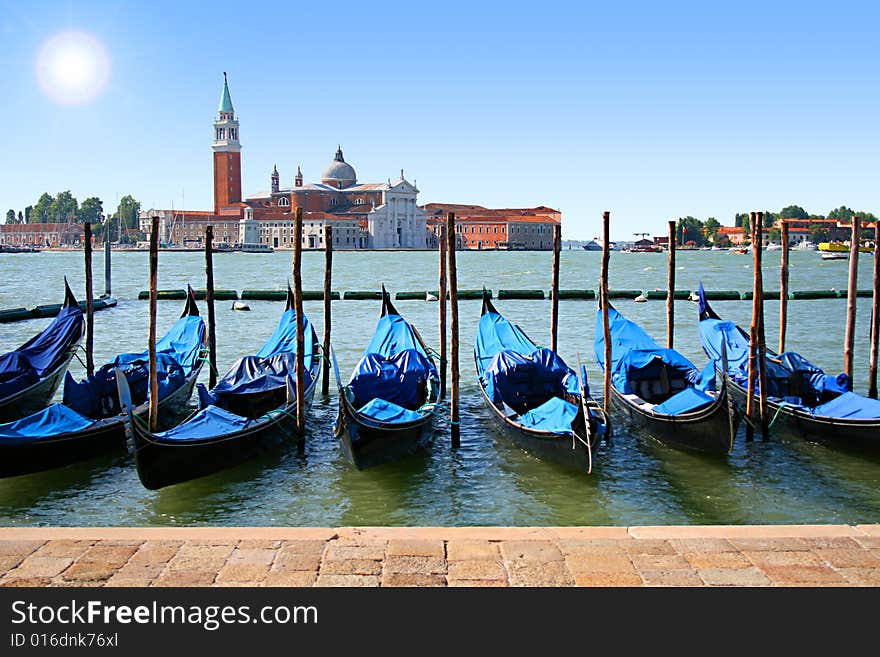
x: 254, y: 248
x: 773, y: 247
x: 835, y: 256
x: 805, y: 245
x: 592, y: 245
x: 841, y: 247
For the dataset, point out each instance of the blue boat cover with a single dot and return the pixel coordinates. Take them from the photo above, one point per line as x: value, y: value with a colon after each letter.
x: 686, y: 401
x: 495, y: 334
x: 851, y: 406
x: 526, y: 381
x: 394, y: 369
x: 207, y: 423
x: 50, y: 422
x: 177, y: 355
x: 271, y: 368
x: 635, y: 357
x: 555, y: 416
x: 41, y: 354
x: 386, y: 411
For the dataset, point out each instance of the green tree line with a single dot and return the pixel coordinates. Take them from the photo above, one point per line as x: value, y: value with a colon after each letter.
x: 64, y: 208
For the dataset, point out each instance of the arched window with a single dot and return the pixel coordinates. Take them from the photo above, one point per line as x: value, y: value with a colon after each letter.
x: 333, y: 201
x: 284, y: 201
x: 359, y: 201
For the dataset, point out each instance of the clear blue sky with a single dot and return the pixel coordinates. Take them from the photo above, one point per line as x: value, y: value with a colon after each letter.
x: 650, y: 110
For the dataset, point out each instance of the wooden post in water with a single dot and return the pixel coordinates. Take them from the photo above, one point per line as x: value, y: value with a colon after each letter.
x: 441, y: 298
x: 852, y: 284
x: 209, y: 300
x: 300, y: 338
x: 753, y: 343
x: 554, y: 292
x: 151, y: 340
x: 875, y: 316
x: 670, y: 295
x: 762, y: 343
x: 107, y: 267
x: 783, y: 288
x: 603, y: 299
x: 90, y: 303
x: 454, y: 417
x: 328, y: 282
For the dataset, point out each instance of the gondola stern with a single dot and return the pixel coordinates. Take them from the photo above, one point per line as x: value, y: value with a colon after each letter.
x: 191, y: 308
x: 387, y: 307
x: 69, y: 299
x: 488, y: 306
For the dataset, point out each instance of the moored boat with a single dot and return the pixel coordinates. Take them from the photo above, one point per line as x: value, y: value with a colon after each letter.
x: 535, y: 400
x: 662, y: 393
x: 93, y: 416
x: 252, y: 408
x: 30, y: 375
x: 386, y: 410
x: 802, y: 400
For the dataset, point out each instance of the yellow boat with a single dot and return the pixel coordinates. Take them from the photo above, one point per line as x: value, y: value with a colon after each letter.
x: 841, y: 247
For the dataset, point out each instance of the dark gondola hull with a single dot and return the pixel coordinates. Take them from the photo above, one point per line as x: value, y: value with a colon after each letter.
x: 707, y: 430
x: 793, y: 423
x: 38, y: 396
x: 105, y: 437
x: 370, y: 445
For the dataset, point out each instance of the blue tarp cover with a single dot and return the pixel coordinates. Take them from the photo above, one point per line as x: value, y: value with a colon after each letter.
x: 686, y: 401
x: 635, y: 355
x: 393, y: 369
x: 526, y: 381
x: 851, y: 406
x: 555, y: 416
x: 386, y: 411
x: 177, y: 355
x: 41, y: 354
x: 495, y: 334
x: 208, y: 422
x: 48, y: 423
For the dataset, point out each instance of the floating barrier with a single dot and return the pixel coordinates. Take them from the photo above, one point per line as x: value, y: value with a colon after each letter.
x: 15, y: 315
x: 219, y: 295
x: 421, y: 296
x: 683, y: 295
x: 281, y: 295
x: 723, y: 295
x: 574, y: 294
x: 520, y: 294
x: 362, y: 295
x: 623, y: 294
x: 163, y: 295
x: 769, y: 295
x: 49, y: 310
x: 815, y: 294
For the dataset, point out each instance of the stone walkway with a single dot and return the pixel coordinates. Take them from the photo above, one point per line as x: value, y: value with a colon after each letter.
x: 824, y: 555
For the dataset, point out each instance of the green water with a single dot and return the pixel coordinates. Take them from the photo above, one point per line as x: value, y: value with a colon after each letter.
x: 486, y: 481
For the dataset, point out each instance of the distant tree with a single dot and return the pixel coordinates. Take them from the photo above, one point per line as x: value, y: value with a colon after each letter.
x: 842, y: 213
x: 10, y: 216
x: 690, y: 229
x: 20, y: 217
x: 92, y: 209
x: 127, y: 212
x: 775, y: 235
x: 817, y: 233
x: 769, y: 218
x: 65, y: 208
x: 28, y: 209
x: 724, y: 240
x: 712, y: 226
x: 746, y: 225
x: 793, y: 212
x: 740, y: 219
x: 41, y: 211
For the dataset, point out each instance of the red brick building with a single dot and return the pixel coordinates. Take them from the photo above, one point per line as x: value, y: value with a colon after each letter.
x: 41, y: 235
x: 496, y: 228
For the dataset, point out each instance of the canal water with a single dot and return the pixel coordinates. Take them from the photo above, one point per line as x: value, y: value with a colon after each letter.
x: 486, y: 481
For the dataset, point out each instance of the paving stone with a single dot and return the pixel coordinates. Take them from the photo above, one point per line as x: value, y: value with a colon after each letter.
x: 351, y: 567
x: 649, y: 546
x: 289, y: 561
x: 412, y: 579
x: 539, y: 573
x: 156, y: 552
x: 600, y: 562
x: 750, y: 576
x: 607, y: 579
x: 702, y: 545
x: 659, y: 562
x: 347, y: 580
x: 869, y: 542
x: 129, y: 582
x: 303, y: 547
x: 592, y: 546
x: 416, y: 548
x: 471, y: 550
x: 37, y: 566
x: 258, y: 545
x: 832, y: 542
x: 242, y: 572
x: 677, y: 577
x: 65, y: 548
x: 761, y: 544
x: 542, y: 551
x: 407, y: 564
x: 19, y: 548
x: 801, y: 573
x: 476, y: 583
x: 848, y: 558
x: 252, y: 557
x: 783, y: 558
x: 186, y: 578
x: 12, y: 582
x: 290, y: 578
x: 477, y: 569
x: 335, y: 551
x: 861, y: 576
x: 713, y: 560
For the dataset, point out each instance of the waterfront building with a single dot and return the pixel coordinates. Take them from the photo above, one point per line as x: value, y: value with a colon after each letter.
x: 41, y: 235
x: 482, y: 228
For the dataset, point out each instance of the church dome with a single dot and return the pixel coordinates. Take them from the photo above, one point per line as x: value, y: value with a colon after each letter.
x: 339, y: 173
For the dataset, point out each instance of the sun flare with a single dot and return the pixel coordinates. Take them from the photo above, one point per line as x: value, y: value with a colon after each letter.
x: 73, y: 67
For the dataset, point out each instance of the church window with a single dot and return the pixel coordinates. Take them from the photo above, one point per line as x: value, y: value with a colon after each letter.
x: 359, y: 201
x: 284, y: 201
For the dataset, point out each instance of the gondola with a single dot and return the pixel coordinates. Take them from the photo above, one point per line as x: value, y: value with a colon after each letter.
x: 663, y: 394
x: 252, y: 407
x: 802, y: 401
x: 30, y: 375
x: 535, y: 400
x: 386, y: 410
x: 92, y: 418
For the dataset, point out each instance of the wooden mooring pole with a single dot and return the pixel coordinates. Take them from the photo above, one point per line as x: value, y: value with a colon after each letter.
x: 454, y: 416
x: 875, y: 316
x: 851, y: 292
x: 753, y: 341
x: 783, y: 288
x: 603, y: 299
x: 151, y: 339
x: 300, y: 337
x: 670, y: 286
x: 554, y: 292
x: 90, y: 302
x: 762, y: 342
x: 328, y: 282
x: 107, y: 265
x: 441, y: 298
x: 209, y: 300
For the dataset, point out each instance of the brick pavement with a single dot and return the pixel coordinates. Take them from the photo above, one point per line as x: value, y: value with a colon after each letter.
x: 796, y: 555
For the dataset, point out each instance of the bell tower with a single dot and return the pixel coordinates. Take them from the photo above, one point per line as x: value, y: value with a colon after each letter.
x: 227, y: 154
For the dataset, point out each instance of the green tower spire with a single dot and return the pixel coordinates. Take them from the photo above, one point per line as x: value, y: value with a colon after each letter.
x: 225, y: 99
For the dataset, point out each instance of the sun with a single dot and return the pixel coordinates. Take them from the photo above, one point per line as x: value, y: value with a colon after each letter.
x: 73, y: 67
